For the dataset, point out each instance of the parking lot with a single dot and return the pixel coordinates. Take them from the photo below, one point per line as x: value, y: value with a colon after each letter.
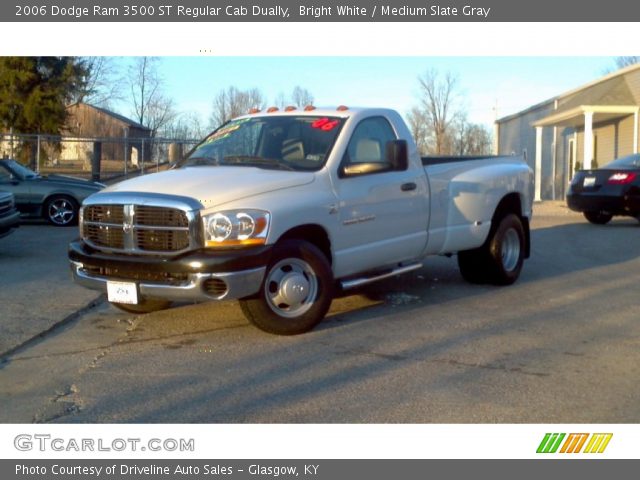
x: 559, y: 346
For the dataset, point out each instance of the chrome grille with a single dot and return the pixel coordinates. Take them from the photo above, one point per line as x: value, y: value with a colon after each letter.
x: 138, y: 228
x: 156, y: 216
x: 162, y: 240
x: 105, y: 214
x: 104, y: 235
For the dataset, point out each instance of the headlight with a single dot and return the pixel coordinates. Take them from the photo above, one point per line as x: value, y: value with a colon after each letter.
x: 236, y: 228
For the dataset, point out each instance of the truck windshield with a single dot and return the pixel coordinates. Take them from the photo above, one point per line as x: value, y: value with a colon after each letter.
x: 285, y: 142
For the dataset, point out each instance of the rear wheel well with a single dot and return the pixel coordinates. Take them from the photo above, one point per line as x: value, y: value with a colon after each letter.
x: 313, y: 234
x: 511, y: 203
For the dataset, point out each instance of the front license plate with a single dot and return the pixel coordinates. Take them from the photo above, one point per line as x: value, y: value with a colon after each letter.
x: 589, y: 181
x: 122, y: 292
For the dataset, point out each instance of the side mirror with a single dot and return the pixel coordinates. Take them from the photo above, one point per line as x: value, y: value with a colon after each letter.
x: 397, y: 154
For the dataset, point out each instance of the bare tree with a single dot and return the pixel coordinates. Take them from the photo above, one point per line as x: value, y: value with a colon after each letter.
x: 233, y: 102
x: 186, y: 126
x: 281, y: 100
x: 470, y: 138
x: 438, y: 108
x: 150, y: 106
x: 160, y: 112
x: 418, y: 126
x: 102, y: 82
x: 301, y: 97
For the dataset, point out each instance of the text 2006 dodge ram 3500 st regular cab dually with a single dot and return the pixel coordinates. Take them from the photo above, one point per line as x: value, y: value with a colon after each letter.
x: 280, y: 208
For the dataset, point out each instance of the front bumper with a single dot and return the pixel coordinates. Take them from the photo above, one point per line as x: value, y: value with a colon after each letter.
x: 196, y: 276
x: 9, y: 222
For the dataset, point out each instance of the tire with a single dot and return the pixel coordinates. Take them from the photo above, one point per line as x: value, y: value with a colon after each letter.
x: 61, y: 211
x: 598, y: 218
x: 146, y: 306
x: 499, y: 261
x: 296, y: 291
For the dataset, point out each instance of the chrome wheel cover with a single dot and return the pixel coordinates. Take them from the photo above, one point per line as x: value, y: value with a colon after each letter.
x: 61, y: 211
x: 291, y: 287
x: 510, y: 251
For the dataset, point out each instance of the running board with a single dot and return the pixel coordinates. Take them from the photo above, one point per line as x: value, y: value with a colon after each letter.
x: 357, y: 282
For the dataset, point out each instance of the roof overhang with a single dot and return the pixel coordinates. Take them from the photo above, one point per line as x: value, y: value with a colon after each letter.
x: 574, y: 117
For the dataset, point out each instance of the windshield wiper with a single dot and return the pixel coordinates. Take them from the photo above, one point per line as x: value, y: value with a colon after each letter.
x: 254, y: 161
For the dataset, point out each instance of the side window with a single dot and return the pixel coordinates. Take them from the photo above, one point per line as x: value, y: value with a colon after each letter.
x: 5, y: 176
x: 368, y: 142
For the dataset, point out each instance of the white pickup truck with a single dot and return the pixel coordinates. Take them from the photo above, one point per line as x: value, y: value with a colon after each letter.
x: 280, y: 208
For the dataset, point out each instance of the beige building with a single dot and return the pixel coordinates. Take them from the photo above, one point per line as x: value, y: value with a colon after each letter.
x: 89, y: 121
x: 583, y: 128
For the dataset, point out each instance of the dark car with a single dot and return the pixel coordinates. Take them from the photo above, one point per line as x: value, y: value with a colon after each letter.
x: 9, y: 216
x: 57, y: 198
x: 613, y: 189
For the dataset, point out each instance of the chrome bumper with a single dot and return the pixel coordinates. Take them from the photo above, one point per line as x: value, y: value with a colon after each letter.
x: 239, y: 284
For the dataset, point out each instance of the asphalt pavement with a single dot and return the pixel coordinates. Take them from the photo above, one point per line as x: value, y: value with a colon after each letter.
x: 559, y: 346
x: 36, y: 292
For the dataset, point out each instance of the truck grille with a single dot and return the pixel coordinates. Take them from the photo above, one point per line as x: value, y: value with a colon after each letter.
x: 136, y: 228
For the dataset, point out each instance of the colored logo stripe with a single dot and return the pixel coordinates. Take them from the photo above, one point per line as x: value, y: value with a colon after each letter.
x: 550, y: 443
x: 597, y: 443
x: 574, y: 443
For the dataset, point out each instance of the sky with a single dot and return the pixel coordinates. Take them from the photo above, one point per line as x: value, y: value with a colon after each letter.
x: 509, y: 84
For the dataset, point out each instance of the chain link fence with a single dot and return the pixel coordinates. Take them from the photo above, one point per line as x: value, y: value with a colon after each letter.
x: 94, y: 158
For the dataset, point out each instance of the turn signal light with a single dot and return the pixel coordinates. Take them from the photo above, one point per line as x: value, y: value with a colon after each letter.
x: 621, y: 178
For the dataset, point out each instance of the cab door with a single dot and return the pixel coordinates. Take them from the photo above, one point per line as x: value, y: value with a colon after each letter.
x: 383, y: 213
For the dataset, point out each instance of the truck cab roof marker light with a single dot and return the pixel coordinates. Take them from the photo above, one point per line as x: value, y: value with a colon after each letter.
x: 309, y: 108
x: 342, y: 108
x: 272, y: 109
x: 254, y: 110
x: 290, y: 108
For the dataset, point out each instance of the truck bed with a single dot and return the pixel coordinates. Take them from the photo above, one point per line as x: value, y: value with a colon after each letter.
x: 433, y: 160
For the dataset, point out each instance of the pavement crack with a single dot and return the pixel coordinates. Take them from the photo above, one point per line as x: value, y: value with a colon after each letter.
x: 4, y: 356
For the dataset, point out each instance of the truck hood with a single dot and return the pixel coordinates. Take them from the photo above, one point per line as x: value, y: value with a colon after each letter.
x: 213, y: 186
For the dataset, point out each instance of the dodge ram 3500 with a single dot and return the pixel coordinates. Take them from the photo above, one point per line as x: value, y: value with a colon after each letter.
x: 279, y: 208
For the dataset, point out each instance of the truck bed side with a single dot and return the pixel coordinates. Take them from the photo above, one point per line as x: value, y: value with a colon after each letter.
x: 464, y: 195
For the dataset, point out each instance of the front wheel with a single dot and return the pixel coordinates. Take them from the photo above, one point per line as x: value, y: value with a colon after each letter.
x: 296, y: 291
x: 598, y: 218
x: 61, y: 211
x: 499, y: 260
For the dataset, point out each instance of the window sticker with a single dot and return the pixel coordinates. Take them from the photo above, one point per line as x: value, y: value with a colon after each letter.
x: 224, y: 132
x: 325, y: 124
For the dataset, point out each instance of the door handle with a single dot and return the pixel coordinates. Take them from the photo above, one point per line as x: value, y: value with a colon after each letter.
x: 407, y: 187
